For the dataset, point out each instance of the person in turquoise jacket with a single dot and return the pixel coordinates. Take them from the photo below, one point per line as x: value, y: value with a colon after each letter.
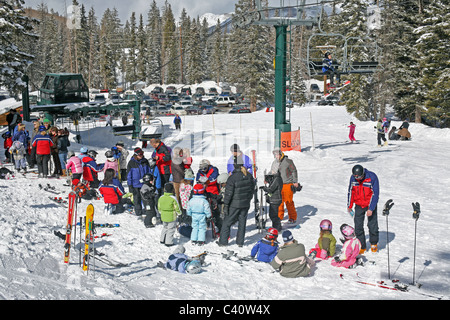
x: 198, y: 208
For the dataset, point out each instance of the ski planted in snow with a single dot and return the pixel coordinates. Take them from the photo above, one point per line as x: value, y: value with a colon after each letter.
x: 88, y: 235
x: 255, y: 192
x: 70, y: 214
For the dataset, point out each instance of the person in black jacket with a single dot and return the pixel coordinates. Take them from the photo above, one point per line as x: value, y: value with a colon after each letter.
x: 238, y: 195
x: 273, y: 197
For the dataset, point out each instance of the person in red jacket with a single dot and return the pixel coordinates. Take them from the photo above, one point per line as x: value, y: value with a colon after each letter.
x: 43, y: 144
x: 163, y: 157
x: 112, y: 191
x: 91, y: 169
x: 6, y: 145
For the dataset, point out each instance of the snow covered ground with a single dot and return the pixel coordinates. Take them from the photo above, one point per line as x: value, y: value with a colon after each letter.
x: 31, y: 257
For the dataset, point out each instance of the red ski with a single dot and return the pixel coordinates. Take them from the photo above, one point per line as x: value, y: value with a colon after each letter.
x: 70, y: 214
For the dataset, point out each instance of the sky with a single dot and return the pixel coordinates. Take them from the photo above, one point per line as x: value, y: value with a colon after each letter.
x: 193, y: 8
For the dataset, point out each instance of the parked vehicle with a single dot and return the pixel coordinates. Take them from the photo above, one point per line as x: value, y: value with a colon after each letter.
x: 99, y: 98
x: 240, y: 109
x: 116, y: 99
x: 178, y: 109
x: 170, y: 90
x: 162, y: 110
x: 206, y: 109
x: 200, y: 91
x: 163, y: 98
x: 225, y: 101
x: 193, y: 110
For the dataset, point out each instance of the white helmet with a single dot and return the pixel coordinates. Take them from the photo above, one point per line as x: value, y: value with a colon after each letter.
x: 193, y: 267
x: 222, y: 178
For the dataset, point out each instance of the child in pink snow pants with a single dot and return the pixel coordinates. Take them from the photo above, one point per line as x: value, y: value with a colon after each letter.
x: 351, y: 134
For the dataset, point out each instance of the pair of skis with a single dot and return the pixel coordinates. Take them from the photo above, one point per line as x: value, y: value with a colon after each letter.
x: 71, y: 216
x: 260, y: 221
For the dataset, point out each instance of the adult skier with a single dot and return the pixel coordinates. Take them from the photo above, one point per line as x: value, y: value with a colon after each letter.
x: 363, y: 193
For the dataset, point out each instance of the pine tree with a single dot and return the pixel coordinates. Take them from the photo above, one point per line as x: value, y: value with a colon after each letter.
x: 142, y: 55
x: 15, y: 28
x: 154, y: 45
x: 195, y: 63
x: 170, y: 67
x: 433, y: 47
x: 352, y: 23
x: 131, y: 49
x: 252, y: 59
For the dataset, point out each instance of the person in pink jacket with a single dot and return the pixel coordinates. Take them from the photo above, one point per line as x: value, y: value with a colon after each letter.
x: 111, y: 162
x: 350, y: 250
x: 351, y: 134
x: 75, y: 166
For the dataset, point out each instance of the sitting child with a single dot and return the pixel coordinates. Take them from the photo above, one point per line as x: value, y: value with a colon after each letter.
x: 112, y: 191
x: 350, y: 250
x: 326, y: 245
x: 267, y: 248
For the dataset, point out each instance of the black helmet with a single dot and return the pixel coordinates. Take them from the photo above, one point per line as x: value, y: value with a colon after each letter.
x: 92, y: 153
x: 327, y: 54
x: 358, y: 172
x: 109, y: 154
x: 147, y: 177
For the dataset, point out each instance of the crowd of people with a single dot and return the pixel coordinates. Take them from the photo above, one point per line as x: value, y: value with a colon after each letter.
x: 166, y: 190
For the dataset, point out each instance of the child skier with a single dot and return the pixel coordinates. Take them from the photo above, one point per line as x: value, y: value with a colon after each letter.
x: 7, y: 143
x: 111, y: 162
x: 186, y: 190
x: 326, y: 245
x: 19, y: 152
x: 198, y: 208
x: 75, y: 166
x: 350, y: 250
x: 273, y: 196
x: 351, y: 134
x: 112, y: 191
x: 169, y: 209
x: 267, y: 248
x: 180, y: 262
x: 148, y: 195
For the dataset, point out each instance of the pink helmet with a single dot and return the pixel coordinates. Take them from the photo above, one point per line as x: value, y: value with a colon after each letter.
x: 347, y: 231
x: 326, y: 225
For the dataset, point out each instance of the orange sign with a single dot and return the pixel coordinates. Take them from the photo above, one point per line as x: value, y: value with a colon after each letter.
x: 290, y: 141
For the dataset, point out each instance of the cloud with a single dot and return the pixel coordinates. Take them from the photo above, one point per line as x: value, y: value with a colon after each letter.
x: 193, y: 8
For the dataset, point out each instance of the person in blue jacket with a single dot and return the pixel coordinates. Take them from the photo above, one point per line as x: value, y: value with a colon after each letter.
x: 267, y: 248
x: 328, y: 69
x: 177, y: 122
x: 137, y: 167
x: 179, y: 261
x: 240, y: 158
x: 198, y: 208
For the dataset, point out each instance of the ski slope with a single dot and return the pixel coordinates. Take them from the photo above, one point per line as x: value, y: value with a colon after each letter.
x: 31, y: 257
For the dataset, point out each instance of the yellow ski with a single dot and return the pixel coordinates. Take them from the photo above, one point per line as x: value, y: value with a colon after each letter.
x: 88, y: 235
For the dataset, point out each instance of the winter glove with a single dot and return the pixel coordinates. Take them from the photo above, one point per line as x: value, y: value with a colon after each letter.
x: 388, y: 205
x: 337, y: 259
x: 416, y: 208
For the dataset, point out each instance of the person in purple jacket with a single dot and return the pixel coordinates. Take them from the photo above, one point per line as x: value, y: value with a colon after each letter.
x: 241, y: 159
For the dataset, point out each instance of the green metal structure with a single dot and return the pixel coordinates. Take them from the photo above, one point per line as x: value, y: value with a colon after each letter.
x: 281, y: 19
x: 60, y: 88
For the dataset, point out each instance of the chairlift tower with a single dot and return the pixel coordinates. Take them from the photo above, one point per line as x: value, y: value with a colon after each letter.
x: 281, y: 18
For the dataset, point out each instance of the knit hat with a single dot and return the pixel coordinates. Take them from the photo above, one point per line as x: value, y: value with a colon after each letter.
x: 41, y: 128
x: 199, y: 189
x: 138, y: 152
x: 287, y: 236
x: 235, y: 148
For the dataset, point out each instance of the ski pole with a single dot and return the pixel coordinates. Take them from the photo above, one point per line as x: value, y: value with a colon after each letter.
x: 387, y: 207
x: 416, y: 213
x: 81, y: 228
